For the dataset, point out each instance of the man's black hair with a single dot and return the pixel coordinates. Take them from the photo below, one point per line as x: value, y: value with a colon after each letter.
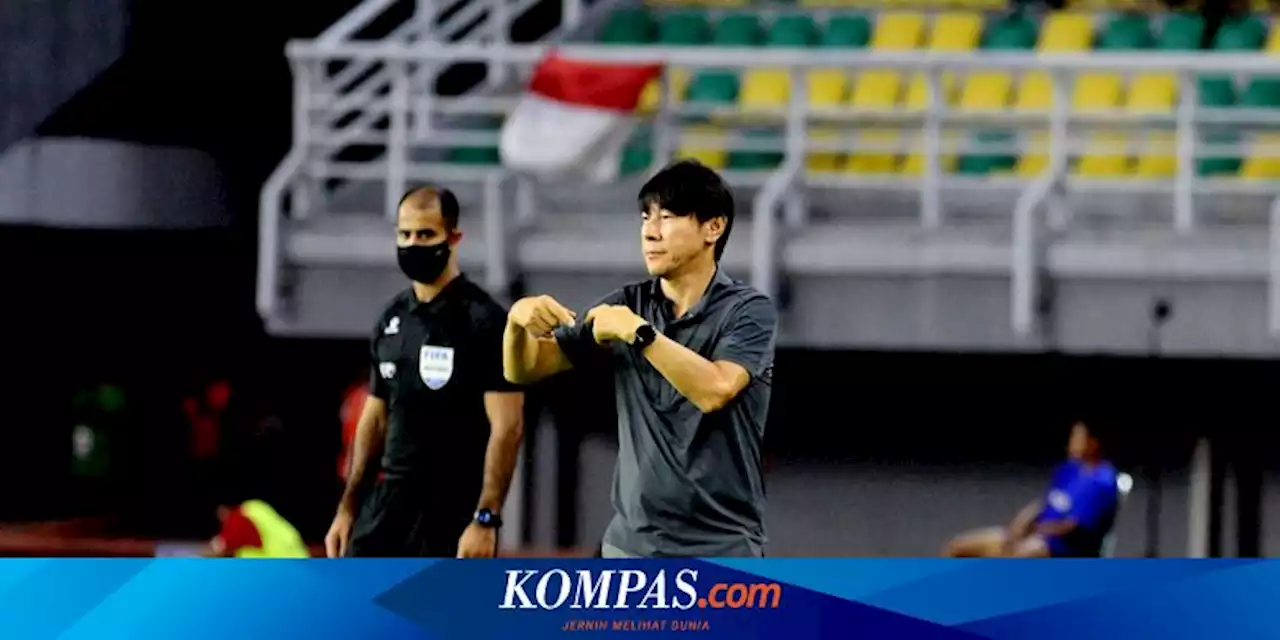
x: 688, y: 187
x: 427, y: 195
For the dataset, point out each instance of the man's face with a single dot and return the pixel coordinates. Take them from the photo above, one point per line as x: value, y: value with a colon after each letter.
x: 422, y: 227
x: 669, y: 241
x: 1078, y: 446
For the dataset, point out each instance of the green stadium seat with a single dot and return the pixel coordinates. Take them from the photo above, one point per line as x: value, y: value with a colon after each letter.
x: 629, y: 26
x: 757, y: 160
x: 1218, y: 92
x: 737, y: 30
x: 1013, y: 33
x: 846, y: 32
x: 1181, y: 32
x: 792, y: 31
x: 478, y: 155
x: 686, y: 28
x: 474, y: 155
x: 1262, y: 93
x: 1126, y: 32
x: 713, y: 87
x: 982, y: 164
x: 1240, y: 34
x: 636, y: 157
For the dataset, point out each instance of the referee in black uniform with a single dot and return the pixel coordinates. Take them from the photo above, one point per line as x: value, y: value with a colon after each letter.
x: 440, y: 414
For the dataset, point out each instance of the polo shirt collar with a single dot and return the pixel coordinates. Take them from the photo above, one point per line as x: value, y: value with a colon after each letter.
x: 718, y: 281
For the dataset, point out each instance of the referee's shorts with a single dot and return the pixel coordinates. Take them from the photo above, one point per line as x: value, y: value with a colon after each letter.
x: 404, y: 519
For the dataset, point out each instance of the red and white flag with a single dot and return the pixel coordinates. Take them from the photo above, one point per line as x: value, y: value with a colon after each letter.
x: 575, y: 118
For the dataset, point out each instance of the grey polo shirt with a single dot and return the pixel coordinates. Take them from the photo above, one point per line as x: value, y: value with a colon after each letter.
x: 687, y: 483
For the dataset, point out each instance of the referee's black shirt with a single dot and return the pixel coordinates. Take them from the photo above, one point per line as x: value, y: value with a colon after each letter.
x: 432, y: 362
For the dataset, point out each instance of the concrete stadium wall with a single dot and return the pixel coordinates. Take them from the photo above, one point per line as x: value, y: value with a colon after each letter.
x: 902, y: 510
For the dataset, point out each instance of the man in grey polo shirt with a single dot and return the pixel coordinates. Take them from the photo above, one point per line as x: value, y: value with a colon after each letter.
x: 691, y: 353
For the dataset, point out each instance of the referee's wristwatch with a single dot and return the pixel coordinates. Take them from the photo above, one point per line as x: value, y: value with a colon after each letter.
x: 487, y: 518
x: 645, y: 335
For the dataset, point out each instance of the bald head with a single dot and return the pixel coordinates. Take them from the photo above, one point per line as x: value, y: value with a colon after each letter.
x: 431, y: 199
x: 426, y: 215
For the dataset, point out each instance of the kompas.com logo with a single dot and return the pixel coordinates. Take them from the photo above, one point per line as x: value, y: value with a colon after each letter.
x: 631, y: 589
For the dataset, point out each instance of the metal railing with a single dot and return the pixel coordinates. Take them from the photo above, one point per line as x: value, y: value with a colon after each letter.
x: 936, y: 131
x: 341, y: 104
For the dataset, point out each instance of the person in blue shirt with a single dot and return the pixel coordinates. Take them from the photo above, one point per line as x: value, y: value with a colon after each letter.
x: 1070, y: 520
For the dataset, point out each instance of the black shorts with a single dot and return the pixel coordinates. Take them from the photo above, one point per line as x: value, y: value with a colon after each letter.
x: 399, y: 520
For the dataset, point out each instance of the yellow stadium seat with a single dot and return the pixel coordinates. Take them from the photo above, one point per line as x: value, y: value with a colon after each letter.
x: 1154, y: 93
x: 1157, y: 159
x: 1263, y: 164
x: 955, y: 31
x: 824, y: 161
x: 705, y: 144
x: 876, y: 90
x: 918, y: 93
x: 651, y: 98
x: 986, y: 91
x: 914, y: 163
x: 1035, y: 93
x: 898, y: 31
x: 764, y: 89
x: 1108, y: 156
x: 1097, y: 92
x: 1033, y: 159
x: 1065, y: 32
x: 876, y: 161
x: 827, y: 88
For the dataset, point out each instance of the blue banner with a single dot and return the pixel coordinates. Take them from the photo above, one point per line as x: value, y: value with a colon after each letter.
x: 738, y: 599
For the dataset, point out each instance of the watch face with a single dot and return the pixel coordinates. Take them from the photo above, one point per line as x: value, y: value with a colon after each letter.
x: 646, y: 334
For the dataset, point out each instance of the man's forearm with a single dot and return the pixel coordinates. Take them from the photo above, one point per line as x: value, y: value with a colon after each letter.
x: 370, y: 434
x: 519, y: 354
x: 499, y: 467
x: 695, y: 377
x: 1025, y: 518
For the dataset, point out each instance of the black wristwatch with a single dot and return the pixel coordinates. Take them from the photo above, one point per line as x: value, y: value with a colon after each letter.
x: 645, y: 335
x: 487, y: 518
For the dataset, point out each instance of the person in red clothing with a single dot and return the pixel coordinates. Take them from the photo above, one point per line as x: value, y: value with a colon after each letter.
x: 254, y: 529
x: 237, y: 532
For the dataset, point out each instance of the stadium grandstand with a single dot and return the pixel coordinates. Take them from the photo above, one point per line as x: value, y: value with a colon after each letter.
x: 1032, y: 158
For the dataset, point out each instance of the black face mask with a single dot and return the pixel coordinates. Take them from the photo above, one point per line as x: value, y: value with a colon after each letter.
x: 423, y: 263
